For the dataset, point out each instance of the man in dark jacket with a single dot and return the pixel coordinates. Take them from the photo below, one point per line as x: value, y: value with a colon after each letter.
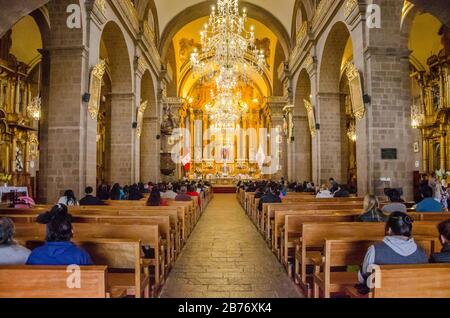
x: 273, y: 196
x: 89, y: 199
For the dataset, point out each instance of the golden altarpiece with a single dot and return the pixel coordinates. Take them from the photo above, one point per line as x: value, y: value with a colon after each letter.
x: 224, y: 154
x: 431, y: 110
x: 19, y: 115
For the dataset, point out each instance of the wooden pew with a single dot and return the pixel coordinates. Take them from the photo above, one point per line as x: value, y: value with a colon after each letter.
x: 109, y: 210
x: 412, y: 281
x: 147, y: 234
x: 345, y: 252
x: 167, y: 246
x: 290, y: 229
x: 51, y: 282
x: 119, y: 255
x: 310, y: 245
x: 270, y: 208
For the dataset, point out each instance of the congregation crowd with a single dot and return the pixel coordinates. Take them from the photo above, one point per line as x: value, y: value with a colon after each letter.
x: 58, y: 248
x: 398, y: 246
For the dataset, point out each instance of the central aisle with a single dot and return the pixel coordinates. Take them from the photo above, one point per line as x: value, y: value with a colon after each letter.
x: 226, y: 257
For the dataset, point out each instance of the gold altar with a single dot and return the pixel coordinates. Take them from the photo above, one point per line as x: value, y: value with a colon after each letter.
x: 223, y: 155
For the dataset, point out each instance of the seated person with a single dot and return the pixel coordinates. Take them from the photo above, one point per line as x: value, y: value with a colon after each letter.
x: 372, y: 212
x: 324, y: 193
x: 259, y: 192
x: 134, y: 193
x: 444, y: 237
x: 273, y: 196
x: 191, y: 191
x: 89, y: 199
x: 11, y: 253
x: 58, y: 249
x: 182, y: 195
x: 428, y: 203
x: 68, y: 199
x: 333, y: 185
x: 396, y: 202
x: 169, y: 193
x: 397, y: 248
x: 155, y: 198
x: 342, y: 192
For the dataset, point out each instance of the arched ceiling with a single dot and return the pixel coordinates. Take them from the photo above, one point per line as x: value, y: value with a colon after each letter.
x: 188, y: 38
x: 424, y: 39
x: 282, y: 10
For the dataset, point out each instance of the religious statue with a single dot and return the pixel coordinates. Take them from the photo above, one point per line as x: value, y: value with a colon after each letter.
x: 168, y: 123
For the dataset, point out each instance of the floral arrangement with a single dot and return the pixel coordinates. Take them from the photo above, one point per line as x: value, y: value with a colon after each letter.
x: 442, y: 174
x: 5, y: 178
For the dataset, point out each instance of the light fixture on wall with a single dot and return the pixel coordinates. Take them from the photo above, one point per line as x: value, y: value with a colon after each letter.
x: 34, y: 108
x: 417, y: 115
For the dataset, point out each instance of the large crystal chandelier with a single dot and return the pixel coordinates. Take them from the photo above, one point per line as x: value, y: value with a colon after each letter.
x: 228, y: 48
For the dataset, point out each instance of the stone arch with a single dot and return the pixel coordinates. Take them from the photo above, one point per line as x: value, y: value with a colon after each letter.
x: 122, y: 101
x: 301, y: 146
x: 300, y: 14
x: 329, y: 113
x: 13, y: 11
x: 147, y: 11
x: 118, y: 58
x: 203, y: 10
x: 438, y: 8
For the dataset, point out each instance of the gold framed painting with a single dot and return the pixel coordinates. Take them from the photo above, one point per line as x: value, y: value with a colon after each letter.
x: 356, y: 92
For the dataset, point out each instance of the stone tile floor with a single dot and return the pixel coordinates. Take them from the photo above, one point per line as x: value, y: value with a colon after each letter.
x: 226, y: 257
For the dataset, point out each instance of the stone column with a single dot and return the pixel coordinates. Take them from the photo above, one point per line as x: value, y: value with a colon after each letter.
x: 301, y: 148
x: 382, y: 56
x: 122, y: 137
x: 276, y: 105
x: 66, y: 164
x: 330, y: 136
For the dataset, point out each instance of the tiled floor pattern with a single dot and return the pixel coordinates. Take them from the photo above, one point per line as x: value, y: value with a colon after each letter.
x: 226, y: 257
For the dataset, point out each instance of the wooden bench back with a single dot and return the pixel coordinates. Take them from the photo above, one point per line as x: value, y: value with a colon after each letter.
x: 51, y: 282
x: 412, y: 281
x: 343, y: 252
x: 313, y: 234
x: 147, y: 234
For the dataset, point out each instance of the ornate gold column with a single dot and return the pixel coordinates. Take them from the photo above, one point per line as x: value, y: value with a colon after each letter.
x: 443, y: 158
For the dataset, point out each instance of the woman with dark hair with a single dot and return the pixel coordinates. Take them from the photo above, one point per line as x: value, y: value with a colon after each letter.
x: 444, y: 237
x: 396, y: 202
x: 134, y: 193
x: 11, y: 253
x: 58, y: 249
x: 103, y: 192
x: 117, y: 193
x: 155, y: 198
x: 68, y: 199
x: 398, y: 246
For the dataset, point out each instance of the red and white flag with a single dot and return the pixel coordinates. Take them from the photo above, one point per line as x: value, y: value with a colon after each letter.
x: 186, y: 161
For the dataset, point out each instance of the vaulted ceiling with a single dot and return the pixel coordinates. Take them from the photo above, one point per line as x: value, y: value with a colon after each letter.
x: 169, y: 9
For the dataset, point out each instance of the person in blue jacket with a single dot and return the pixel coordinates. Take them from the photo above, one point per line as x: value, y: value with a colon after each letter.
x: 428, y: 204
x: 58, y: 248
